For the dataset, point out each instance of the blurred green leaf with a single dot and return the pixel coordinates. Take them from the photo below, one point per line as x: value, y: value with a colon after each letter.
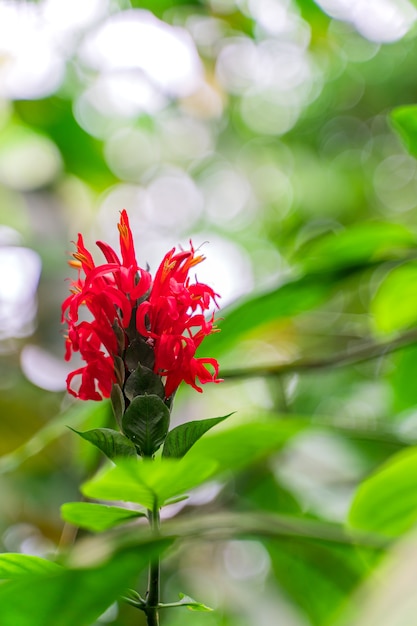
x: 82, y: 153
x: 148, y: 482
x: 111, y: 442
x: 386, y: 502
x: 394, y: 306
x: 76, y: 415
x: 318, y: 577
x: 404, y: 121
x: 355, y: 246
x: 286, y: 301
x: 15, y: 566
x: 96, y: 517
x: 180, y: 439
x: 235, y: 448
x: 70, y: 596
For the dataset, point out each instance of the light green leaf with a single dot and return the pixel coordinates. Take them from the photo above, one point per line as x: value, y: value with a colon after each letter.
x: 96, y: 517
x: 355, y: 246
x: 111, y: 442
x: 238, y: 447
x: 404, y: 121
x: 146, y: 423
x: 180, y: 439
x: 386, y: 502
x: 14, y: 566
x: 395, y: 304
x: 193, y: 605
x: 148, y: 482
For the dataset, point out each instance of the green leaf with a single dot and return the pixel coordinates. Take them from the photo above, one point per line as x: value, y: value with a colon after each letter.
x: 111, y: 442
x: 146, y: 423
x: 15, y: 566
x: 144, y: 381
x: 404, y: 121
x: 386, y: 502
x: 235, y: 448
x: 148, y: 482
x: 139, y: 352
x: 395, y: 304
x: 76, y: 596
x: 242, y: 320
x: 180, y: 439
x: 193, y: 605
x: 96, y: 517
x: 355, y: 246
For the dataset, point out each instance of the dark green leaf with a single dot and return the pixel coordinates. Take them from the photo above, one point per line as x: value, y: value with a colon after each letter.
x: 96, y: 517
x: 111, y: 442
x: 144, y: 381
x: 146, y: 423
x: 139, y: 352
x: 180, y: 439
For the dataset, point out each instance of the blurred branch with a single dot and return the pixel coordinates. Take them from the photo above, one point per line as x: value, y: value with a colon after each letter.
x: 365, y: 351
x: 271, y: 525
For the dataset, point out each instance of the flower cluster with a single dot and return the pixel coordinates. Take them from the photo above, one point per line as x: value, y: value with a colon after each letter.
x: 136, y: 320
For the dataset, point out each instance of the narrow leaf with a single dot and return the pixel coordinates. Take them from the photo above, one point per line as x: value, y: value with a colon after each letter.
x: 96, y: 517
x: 146, y: 423
x: 111, y: 442
x: 180, y: 439
x: 193, y: 605
x: 117, y: 404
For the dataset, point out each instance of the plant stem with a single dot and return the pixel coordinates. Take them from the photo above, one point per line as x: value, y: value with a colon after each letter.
x: 152, y: 598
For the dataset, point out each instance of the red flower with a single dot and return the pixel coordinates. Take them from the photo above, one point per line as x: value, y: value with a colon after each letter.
x: 127, y: 307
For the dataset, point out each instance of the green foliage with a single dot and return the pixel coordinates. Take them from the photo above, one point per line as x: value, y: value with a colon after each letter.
x: 180, y: 439
x: 96, y: 517
x: 153, y: 483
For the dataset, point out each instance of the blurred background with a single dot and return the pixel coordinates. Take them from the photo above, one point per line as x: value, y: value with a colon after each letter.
x: 261, y: 129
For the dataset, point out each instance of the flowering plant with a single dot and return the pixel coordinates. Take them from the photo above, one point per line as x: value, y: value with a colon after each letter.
x: 138, y: 344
